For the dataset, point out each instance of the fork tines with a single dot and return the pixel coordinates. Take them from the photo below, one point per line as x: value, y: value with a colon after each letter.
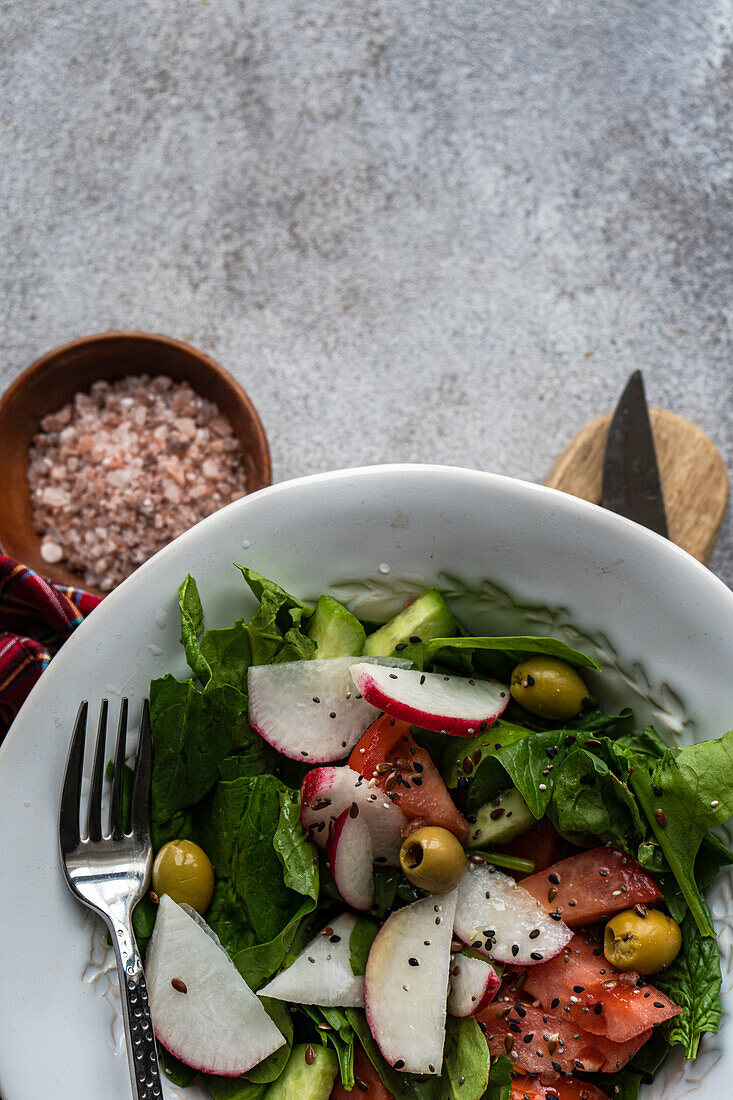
x: 69, y: 831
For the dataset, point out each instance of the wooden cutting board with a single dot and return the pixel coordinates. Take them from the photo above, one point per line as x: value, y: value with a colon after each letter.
x: 694, y: 478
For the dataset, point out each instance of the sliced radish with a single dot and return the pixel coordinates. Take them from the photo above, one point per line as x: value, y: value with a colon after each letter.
x: 203, y: 1011
x: 309, y: 710
x: 327, y: 792
x: 501, y: 920
x: 447, y: 704
x: 473, y: 985
x: 406, y: 984
x: 351, y: 855
x: 322, y: 974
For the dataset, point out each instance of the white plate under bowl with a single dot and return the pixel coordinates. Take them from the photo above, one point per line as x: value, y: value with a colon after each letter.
x: 511, y: 557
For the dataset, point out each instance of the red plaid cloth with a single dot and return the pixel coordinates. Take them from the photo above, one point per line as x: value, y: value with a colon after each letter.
x: 36, y: 618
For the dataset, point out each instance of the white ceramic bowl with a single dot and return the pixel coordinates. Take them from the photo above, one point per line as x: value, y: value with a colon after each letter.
x: 511, y: 557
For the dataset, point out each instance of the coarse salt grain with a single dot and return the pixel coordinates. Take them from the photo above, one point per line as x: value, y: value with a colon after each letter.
x: 125, y: 468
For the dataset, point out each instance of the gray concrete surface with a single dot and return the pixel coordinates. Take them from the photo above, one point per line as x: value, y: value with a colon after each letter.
x: 423, y: 230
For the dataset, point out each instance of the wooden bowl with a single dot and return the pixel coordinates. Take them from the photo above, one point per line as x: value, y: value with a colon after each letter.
x: 52, y: 381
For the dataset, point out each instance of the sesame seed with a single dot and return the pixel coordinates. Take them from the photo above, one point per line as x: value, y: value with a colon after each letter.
x: 179, y: 985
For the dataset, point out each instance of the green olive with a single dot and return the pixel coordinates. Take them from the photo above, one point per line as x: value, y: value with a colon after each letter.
x: 183, y: 871
x: 645, y: 944
x: 549, y: 687
x: 432, y: 859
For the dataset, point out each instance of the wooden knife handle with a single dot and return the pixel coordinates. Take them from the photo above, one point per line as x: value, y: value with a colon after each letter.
x: 694, y: 478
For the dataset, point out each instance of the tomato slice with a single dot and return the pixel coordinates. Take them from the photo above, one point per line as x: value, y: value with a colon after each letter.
x: 591, y: 886
x: 567, y: 1088
x: 580, y: 979
x: 368, y: 1081
x: 541, y: 844
x: 541, y: 1042
x: 419, y: 791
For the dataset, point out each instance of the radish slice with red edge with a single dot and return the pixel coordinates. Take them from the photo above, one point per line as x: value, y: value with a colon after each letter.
x: 326, y: 792
x: 350, y: 855
x: 406, y: 984
x: 322, y: 974
x: 446, y: 704
x: 202, y: 1009
x: 473, y: 985
x: 495, y: 916
x: 310, y: 710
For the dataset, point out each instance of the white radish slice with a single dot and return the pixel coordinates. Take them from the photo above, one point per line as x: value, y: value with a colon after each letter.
x: 406, y: 984
x: 473, y: 985
x: 202, y: 1009
x: 309, y: 710
x: 447, y: 704
x: 350, y: 854
x: 322, y: 974
x: 504, y: 922
x: 327, y: 792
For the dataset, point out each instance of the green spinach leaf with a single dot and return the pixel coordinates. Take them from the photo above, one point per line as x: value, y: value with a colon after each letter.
x: 590, y: 803
x: 192, y: 625
x: 193, y: 732
x: 500, y: 1079
x: 360, y: 942
x: 233, y: 1088
x: 272, y: 1067
x: 516, y: 646
x: 335, y: 1030
x: 465, y: 1060
x: 693, y: 981
x: 273, y: 873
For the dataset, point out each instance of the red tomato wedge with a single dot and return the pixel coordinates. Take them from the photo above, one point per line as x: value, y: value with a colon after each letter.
x: 580, y: 979
x: 567, y: 1088
x: 591, y: 886
x: 419, y: 790
x: 541, y: 844
x: 368, y: 1081
x: 557, y: 1045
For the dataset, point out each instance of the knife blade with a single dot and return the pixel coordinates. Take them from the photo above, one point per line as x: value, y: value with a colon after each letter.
x: 632, y: 486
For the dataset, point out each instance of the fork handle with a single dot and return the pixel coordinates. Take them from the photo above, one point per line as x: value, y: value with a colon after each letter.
x: 141, y: 1049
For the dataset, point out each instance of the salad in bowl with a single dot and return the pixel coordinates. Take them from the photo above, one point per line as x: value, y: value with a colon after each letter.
x: 400, y: 860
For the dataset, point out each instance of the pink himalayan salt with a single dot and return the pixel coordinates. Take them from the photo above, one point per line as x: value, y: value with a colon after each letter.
x: 123, y: 469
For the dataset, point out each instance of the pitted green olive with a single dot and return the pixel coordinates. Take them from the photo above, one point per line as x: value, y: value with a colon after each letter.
x: 183, y: 871
x: 432, y: 859
x: 548, y: 687
x: 645, y: 944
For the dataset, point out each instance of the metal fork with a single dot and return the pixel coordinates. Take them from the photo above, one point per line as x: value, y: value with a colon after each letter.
x: 111, y: 873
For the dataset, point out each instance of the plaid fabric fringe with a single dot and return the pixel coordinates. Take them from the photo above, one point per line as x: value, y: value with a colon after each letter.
x: 36, y: 618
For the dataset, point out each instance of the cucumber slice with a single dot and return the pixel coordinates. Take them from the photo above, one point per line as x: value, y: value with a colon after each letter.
x: 336, y: 632
x: 501, y: 820
x: 428, y: 617
x: 303, y: 1081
